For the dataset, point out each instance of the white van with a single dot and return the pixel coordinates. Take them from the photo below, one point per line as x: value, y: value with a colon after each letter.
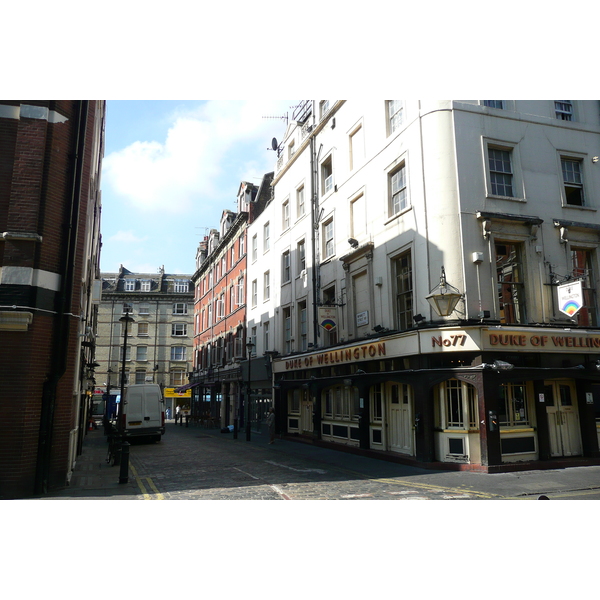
x: 144, y: 412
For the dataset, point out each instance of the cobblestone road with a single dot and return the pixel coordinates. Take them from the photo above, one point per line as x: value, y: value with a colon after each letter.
x: 194, y: 463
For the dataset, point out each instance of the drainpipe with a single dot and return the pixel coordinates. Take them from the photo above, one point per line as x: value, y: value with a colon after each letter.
x: 60, y: 339
x: 313, y: 233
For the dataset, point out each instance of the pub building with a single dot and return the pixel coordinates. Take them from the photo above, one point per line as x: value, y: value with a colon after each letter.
x: 487, y: 398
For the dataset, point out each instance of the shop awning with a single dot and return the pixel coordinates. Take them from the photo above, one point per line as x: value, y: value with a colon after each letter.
x: 186, y: 387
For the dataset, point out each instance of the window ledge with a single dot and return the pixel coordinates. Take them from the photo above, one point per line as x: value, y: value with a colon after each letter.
x: 509, y: 198
x: 398, y: 215
x: 584, y: 208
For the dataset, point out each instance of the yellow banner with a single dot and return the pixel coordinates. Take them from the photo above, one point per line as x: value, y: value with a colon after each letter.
x: 170, y: 393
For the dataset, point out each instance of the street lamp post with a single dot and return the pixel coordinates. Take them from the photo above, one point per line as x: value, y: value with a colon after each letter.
x: 250, y: 347
x: 124, y: 470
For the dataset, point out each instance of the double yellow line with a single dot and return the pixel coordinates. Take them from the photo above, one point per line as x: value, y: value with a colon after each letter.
x: 147, y: 495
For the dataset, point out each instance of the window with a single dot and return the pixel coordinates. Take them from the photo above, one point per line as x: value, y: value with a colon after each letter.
x: 328, y: 245
x: 253, y: 341
x: 510, y: 278
x: 300, y: 201
x: 180, y: 308
x: 181, y: 286
x: 398, y: 197
x: 140, y: 376
x: 177, y: 377
x: 254, y: 247
x: 341, y: 402
x: 513, y: 405
x: 232, y: 298
x: 563, y: 109
x: 303, y: 326
x: 301, y: 253
x: 266, y: 335
x: 494, y: 103
x: 178, y: 352
x: 458, y: 405
x: 130, y: 285
x: 141, y: 353
x: 145, y: 285
x: 395, y: 110
x: 241, y: 291
x: 142, y: 329
x: 242, y: 244
x: 572, y: 181
x: 232, y: 257
x: 287, y: 329
x: 377, y: 402
x: 404, y: 291
x: 329, y: 299
x: 127, y: 354
x: 357, y: 147
x: 582, y: 261
x: 266, y: 237
x: 292, y: 149
x: 323, y: 108
x: 127, y: 308
x: 501, y: 174
x: 326, y: 176
x: 254, y: 292
x: 294, y: 401
x: 267, y: 285
x: 179, y: 329
x: 286, y: 274
x: 285, y: 215
x: 144, y: 309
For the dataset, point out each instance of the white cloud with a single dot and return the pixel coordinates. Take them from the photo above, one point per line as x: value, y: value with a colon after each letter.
x: 206, y: 153
x: 126, y: 236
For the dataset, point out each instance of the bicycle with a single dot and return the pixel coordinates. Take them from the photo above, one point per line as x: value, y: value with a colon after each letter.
x: 114, y: 449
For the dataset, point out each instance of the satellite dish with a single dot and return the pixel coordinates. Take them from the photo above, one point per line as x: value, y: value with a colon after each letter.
x: 274, y: 144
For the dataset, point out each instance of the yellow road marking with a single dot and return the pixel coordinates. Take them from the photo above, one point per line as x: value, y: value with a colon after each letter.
x: 145, y: 493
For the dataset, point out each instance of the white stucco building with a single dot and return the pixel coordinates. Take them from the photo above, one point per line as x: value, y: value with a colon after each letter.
x: 378, y: 205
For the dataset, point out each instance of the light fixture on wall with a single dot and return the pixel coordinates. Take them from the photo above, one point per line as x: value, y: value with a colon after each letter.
x: 418, y: 319
x: 353, y: 242
x: 444, y: 297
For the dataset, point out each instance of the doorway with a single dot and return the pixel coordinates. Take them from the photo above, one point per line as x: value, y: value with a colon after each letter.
x: 400, y: 420
x: 563, y: 418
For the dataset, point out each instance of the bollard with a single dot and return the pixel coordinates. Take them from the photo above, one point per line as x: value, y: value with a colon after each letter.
x: 187, y: 418
x: 124, y: 470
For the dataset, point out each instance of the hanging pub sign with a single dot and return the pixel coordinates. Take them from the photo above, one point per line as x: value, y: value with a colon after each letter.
x: 570, y: 298
x: 328, y: 317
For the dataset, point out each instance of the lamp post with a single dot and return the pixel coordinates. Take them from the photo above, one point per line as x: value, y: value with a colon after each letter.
x: 124, y: 470
x: 249, y: 346
x: 444, y: 297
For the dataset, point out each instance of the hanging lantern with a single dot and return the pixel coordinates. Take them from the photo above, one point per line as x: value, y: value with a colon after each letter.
x: 444, y: 297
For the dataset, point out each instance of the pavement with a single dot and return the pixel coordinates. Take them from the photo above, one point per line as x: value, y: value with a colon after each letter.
x: 93, y: 478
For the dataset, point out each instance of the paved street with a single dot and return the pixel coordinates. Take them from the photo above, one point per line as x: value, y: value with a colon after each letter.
x: 204, y: 464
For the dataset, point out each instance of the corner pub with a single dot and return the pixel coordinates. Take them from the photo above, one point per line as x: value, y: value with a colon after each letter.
x: 481, y: 397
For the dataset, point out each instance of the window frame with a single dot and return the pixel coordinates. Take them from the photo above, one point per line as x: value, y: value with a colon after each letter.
x: 326, y: 172
x: 178, y: 353
x: 300, y: 202
x: 394, y: 114
x: 512, y: 148
x: 266, y: 237
x: 178, y: 329
x: 401, y: 167
x: 266, y: 286
x: 565, y: 186
x: 328, y: 229
x: 286, y: 267
x: 564, y: 110
x: 285, y: 214
x: 404, y: 317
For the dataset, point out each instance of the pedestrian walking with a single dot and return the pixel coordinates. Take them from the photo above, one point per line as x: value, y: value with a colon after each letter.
x: 271, y: 425
x: 177, y: 414
x: 168, y: 411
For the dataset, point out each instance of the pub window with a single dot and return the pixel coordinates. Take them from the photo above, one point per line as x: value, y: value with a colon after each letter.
x: 510, y: 286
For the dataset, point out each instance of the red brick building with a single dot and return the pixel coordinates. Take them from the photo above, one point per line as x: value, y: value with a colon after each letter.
x: 50, y: 158
x: 220, y: 335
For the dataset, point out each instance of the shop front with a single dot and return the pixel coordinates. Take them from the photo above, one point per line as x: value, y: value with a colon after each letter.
x: 472, y: 397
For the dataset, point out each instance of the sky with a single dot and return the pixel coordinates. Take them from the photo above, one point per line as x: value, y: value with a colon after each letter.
x: 171, y: 167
